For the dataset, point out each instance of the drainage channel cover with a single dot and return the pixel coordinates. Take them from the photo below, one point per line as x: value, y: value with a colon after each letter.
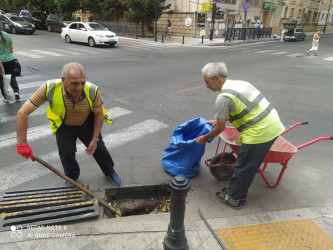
x: 45, y: 207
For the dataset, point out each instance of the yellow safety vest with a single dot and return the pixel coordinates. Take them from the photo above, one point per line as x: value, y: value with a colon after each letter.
x: 254, y: 116
x: 56, y: 111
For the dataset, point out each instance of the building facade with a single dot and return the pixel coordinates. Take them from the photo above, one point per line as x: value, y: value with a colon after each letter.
x: 192, y: 18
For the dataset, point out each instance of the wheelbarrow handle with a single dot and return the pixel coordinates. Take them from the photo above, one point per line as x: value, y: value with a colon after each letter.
x: 314, y: 141
x: 293, y: 126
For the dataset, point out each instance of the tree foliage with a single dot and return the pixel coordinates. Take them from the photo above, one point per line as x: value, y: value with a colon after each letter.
x: 143, y: 11
x: 113, y: 9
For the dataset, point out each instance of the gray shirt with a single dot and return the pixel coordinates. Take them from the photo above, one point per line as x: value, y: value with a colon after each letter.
x: 224, y: 105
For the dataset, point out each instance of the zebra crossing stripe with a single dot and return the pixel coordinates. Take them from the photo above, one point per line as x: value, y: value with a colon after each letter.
x: 85, y: 51
x: 37, y: 112
x: 31, y: 85
x: 28, y: 171
x: 68, y: 52
x: 35, y: 133
x: 279, y: 53
x: 46, y: 52
x: 264, y: 51
x: 22, y: 53
x: 329, y: 59
x: 295, y: 55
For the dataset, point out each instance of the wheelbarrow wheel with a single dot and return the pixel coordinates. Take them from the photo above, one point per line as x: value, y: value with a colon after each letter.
x: 222, y: 172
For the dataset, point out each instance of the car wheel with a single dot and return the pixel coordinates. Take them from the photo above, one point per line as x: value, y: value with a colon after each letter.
x: 112, y: 45
x: 49, y: 28
x: 91, y: 42
x: 67, y: 39
x: 13, y: 30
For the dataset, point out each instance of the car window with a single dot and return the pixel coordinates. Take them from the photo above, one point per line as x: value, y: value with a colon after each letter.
x: 81, y: 26
x: 73, y: 26
x: 16, y: 19
x: 95, y: 26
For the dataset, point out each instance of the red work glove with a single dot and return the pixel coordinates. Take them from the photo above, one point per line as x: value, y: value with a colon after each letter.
x: 25, y: 151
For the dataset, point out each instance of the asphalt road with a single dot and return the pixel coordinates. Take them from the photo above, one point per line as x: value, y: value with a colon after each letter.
x: 150, y: 88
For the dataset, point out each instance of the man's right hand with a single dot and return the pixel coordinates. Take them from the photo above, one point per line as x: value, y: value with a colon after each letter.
x: 25, y: 151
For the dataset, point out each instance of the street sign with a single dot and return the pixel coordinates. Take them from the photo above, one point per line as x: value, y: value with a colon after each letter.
x: 246, y: 6
x: 206, y: 7
x: 201, y: 19
x: 269, y: 6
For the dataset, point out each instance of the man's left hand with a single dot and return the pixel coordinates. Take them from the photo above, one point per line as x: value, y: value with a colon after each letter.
x: 201, y: 140
x: 90, y: 150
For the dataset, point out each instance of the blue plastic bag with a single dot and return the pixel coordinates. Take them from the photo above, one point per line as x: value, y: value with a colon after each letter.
x: 183, y: 155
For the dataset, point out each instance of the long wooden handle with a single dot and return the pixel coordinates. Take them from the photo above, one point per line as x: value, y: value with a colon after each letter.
x: 75, y: 184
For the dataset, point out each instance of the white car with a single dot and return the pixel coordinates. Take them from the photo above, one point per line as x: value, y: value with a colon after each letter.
x: 89, y: 32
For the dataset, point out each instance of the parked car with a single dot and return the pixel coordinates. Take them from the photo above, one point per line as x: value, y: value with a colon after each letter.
x: 2, y: 12
x: 294, y: 33
x: 89, y: 32
x: 34, y: 17
x: 16, y: 24
x: 54, y: 22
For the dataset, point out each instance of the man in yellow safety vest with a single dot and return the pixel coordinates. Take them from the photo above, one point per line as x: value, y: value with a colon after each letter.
x: 253, y: 116
x: 75, y: 111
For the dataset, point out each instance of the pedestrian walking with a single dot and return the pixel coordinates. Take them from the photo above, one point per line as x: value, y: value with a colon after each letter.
x: 169, y: 28
x: 8, y: 62
x: 315, y: 43
x: 240, y: 103
x: 284, y: 30
x: 75, y: 111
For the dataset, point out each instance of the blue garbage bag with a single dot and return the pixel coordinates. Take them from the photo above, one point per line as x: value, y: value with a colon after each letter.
x: 183, y: 155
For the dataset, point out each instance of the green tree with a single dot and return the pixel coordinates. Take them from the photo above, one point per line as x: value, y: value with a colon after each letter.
x: 114, y: 9
x: 143, y: 11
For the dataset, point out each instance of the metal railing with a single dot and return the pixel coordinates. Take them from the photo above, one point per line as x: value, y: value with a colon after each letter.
x: 247, y: 33
x: 121, y: 29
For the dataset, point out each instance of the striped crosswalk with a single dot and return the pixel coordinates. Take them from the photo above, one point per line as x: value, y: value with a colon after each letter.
x: 16, y: 174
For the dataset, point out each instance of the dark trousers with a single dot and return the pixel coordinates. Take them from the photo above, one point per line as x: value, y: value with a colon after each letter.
x: 249, y: 159
x: 8, y: 70
x: 66, y: 140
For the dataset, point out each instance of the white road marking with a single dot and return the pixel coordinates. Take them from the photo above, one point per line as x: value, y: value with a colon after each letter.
x: 22, y: 53
x: 280, y: 53
x: 31, y: 84
x: 329, y: 59
x: 35, y: 133
x: 296, y: 55
x: 83, y: 51
x: 264, y: 51
x: 17, y: 174
x: 67, y: 52
x: 46, y: 52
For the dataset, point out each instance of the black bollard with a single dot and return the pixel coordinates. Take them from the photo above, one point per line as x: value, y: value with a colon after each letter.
x: 175, y: 238
x: 183, y: 39
x: 202, y: 39
x: 162, y: 38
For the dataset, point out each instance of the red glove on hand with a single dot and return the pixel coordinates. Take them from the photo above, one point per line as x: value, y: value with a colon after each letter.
x: 25, y: 151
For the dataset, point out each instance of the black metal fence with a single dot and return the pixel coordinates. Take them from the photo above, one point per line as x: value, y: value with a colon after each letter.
x: 247, y: 33
x: 121, y: 29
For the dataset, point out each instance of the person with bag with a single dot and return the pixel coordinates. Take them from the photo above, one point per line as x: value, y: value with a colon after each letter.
x: 75, y: 112
x: 240, y: 103
x: 9, y: 64
x: 315, y: 43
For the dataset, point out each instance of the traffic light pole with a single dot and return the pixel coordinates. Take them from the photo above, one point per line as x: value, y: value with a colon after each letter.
x: 213, y: 21
x: 155, y: 22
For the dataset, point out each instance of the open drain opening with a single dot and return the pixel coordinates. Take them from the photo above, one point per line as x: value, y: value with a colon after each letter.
x: 138, y: 200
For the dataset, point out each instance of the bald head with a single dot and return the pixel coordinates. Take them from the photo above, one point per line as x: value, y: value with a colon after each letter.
x: 72, y: 68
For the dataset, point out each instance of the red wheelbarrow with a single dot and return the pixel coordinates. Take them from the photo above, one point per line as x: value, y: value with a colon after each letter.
x: 221, y: 165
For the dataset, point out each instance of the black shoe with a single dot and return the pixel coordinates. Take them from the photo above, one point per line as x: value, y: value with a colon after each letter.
x: 17, y: 96
x: 224, y: 198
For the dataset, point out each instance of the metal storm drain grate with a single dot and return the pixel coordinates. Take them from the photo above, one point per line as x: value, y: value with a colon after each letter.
x: 45, y: 207
x: 137, y: 200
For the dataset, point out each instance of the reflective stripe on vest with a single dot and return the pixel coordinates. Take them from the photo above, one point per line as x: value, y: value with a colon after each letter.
x: 56, y: 111
x: 250, y: 105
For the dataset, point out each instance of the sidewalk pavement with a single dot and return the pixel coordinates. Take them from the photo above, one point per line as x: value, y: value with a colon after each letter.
x: 148, y: 231
x: 315, y: 223
x: 189, y: 41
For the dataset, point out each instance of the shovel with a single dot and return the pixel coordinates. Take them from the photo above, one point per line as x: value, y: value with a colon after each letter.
x: 75, y: 184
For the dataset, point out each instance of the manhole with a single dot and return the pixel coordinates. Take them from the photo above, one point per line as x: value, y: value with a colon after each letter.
x: 138, y: 200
